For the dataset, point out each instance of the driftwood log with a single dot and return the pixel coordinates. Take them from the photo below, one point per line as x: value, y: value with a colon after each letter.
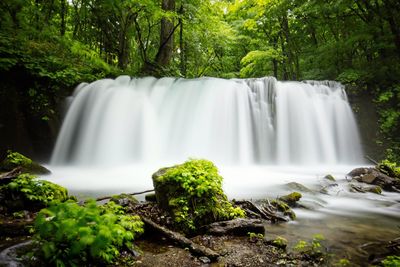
x: 130, y: 194
x: 182, y: 241
x: 266, y: 212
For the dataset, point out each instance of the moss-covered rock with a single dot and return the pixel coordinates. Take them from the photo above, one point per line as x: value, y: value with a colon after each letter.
x: 192, y: 194
x: 329, y: 177
x: 284, y: 208
x: 15, y: 159
x: 124, y: 200
x: 29, y: 193
x: 291, y: 198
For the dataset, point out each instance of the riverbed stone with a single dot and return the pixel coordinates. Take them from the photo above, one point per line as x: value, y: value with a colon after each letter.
x: 238, y: 226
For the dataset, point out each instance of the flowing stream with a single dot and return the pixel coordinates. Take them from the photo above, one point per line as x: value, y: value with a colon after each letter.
x: 261, y: 133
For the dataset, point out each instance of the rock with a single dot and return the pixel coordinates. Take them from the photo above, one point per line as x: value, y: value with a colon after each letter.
x: 358, y: 172
x: 124, y: 200
x: 284, y: 208
x: 204, y: 260
x: 375, y: 177
x: 150, y: 197
x: 298, y: 187
x: 15, y: 159
x: 239, y: 226
x: 368, y: 178
x: 291, y: 198
x: 329, y: 177
x: 364, y: 189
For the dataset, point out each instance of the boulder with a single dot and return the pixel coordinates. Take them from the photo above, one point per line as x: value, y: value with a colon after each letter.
x: 238, y: 226
x: 191, y: 193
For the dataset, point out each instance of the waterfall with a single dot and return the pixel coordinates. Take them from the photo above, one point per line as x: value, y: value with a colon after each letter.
x: 250, y: 121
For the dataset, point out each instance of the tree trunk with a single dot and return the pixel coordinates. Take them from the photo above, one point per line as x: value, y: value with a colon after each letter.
x: 63, y: 13
x: 165, y: 50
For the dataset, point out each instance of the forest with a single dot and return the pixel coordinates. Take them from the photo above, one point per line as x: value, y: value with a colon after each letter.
x: 49, y: 47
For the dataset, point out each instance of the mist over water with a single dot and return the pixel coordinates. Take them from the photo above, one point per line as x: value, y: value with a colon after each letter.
x: 235, y: 122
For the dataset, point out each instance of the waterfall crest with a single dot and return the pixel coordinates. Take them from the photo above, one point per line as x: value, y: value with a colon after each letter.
x: 249, y: 121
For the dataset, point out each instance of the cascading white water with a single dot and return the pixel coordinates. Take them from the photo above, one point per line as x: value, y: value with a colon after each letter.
x: 250, y: 121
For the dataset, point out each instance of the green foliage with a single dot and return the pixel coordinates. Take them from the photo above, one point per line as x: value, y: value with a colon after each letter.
x: 342, y: 263
x: 312, y: 249
x: 26, y: 191
x: 391, y: 261
x: 195, y: 195
x: 18, y: 159
x: 73, y: 235
x: 280, y: 242
x: 254, y: 237
x: 390, y: 168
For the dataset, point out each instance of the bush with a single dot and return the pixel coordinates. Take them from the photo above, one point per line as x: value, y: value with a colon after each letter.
x: 28, y: 192
x: 73, y: 235
x: 192, y: 194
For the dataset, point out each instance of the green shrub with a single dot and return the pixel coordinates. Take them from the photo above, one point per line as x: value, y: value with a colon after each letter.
x: 390, y: 168
x: 192, y: 193
x: 28, y: 192
x: 73, y: 235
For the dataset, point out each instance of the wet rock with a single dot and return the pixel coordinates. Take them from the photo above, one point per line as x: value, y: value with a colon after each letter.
x: 298, y: 187
x: 291, y: 198
x: 204, y: 260
x: 375, y: 177
x: 329, y: 177
x: 239, y: 226
x: 364, y: 189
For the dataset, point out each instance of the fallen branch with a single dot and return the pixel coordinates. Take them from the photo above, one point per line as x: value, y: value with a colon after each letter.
x: 371, y: 159
x: 7, y: 176
x: 131, y: 194
x: 184, y: 242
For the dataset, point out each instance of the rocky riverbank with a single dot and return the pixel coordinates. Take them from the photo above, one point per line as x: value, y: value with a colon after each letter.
x: 245, y: 241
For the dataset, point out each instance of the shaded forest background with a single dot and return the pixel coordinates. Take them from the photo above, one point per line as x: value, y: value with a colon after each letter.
x: 47, y: 47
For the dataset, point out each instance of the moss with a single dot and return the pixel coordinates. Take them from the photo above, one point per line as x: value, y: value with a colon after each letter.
x: 15, y: 159
x: 284, y: 208
x: 330, y: 178
x: 192, y: 194
x: 28, y: 192
x: 124, y: 200
x: 375, y: 189
x: 291, y: 198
